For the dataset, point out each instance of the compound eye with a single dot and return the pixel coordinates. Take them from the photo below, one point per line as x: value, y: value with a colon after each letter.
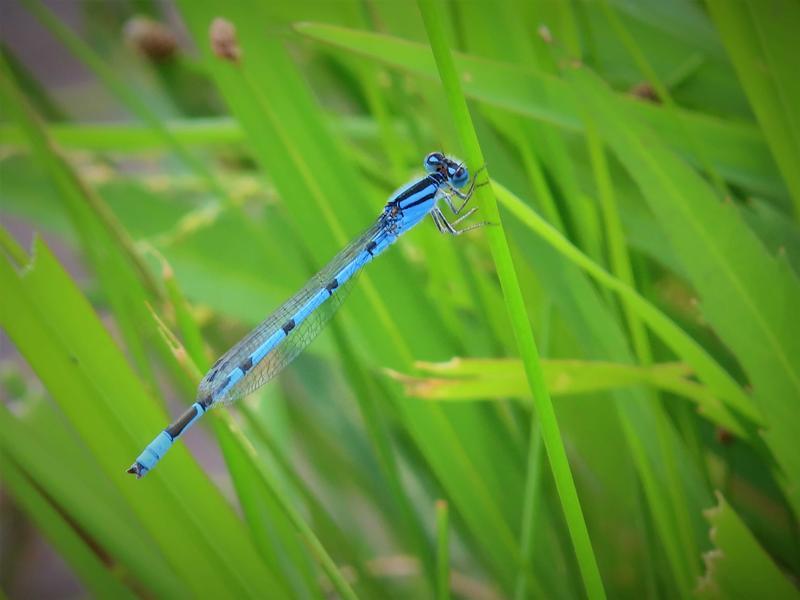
x: 432, y: 161
x: 460, y: 177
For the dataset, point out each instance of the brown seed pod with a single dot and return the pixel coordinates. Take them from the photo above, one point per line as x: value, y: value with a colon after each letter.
x: 224, y: 42
x: 150, y: 38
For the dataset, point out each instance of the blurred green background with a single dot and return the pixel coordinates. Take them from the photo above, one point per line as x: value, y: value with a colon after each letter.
x: 166, y: 183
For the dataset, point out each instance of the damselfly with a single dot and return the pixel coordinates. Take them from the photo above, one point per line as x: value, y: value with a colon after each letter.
x: 266, y: 350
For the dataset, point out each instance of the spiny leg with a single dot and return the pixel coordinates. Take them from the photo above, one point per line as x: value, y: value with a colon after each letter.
x: 466, y: 215
x: 437, y: 217
x: 447, y: 196
x: 446, y: 227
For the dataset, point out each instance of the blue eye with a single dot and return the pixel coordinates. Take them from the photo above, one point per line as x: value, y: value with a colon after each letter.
x: 432, y: 161
x: 460, y: 177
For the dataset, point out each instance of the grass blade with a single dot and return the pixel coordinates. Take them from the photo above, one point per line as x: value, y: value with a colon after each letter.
x: 738, y: 567
x: 711, y: 372
x: 442, y: 552
x: 736, y: 150
x: 434, y: 22
x: 761, y: 39
x: 747, y: 295
x: 249, y: 472
x: 76, y: 551
x: 474, y: 379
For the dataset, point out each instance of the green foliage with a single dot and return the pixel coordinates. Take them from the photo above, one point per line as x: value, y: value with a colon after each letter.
x: 643, y: 208
x: 737, y: 567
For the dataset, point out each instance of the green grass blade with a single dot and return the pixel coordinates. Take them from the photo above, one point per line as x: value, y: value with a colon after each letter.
x: 59, y: 532
x: 497, y: 32
x: 312, y: 541
x: 41, y: 99
x: 663, y: 94
x: 252, y: 479
x: 61, y: 470
x: 442, y: 551
x: 600, y: 336
x: 747, y: 295
x: 97, y: 228
x: 531, y: 516
x: 268, y: 528
x: 12, y: 248
x: 736, y: 150
x: 621, y: 267
x: 715, y: 377
x: 737, y: 566
x: 434, y: 22
x: 199, y: 132
x: 475, y: 379
x: 761, y: 39
x: 60, y: 336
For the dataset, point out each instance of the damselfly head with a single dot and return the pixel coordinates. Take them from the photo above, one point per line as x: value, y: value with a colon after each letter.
x: 434, y: 161
x: 456, y: 172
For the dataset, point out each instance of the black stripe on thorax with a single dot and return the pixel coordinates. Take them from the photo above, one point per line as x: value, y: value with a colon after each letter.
x: 424, y: 198
x: 434, y: 179
x: 415, y: 188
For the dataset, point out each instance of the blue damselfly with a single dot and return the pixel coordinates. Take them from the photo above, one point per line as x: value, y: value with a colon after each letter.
x: 266, y: 350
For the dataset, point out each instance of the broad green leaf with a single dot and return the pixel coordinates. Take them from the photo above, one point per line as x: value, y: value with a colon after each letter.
x: 761, y: 39
x: 715, y: 377
x: 748, y: 296
x: 738, y: 567
x: 77, y: 552
x: 57, y: 332
x: 46, y: 452
x: 597, y: 434
x: 683, y: 20
x: 736, y: 150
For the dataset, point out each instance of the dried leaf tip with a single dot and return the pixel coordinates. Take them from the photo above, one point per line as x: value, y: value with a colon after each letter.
x: 224, y: 42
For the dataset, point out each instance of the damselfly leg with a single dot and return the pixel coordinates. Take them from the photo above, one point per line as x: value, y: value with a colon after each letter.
x: 465, y: 196
x: 445, y: 226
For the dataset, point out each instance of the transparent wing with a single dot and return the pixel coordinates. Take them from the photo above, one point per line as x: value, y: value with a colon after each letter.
x: 297, y: 340
x: 286, y: 351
